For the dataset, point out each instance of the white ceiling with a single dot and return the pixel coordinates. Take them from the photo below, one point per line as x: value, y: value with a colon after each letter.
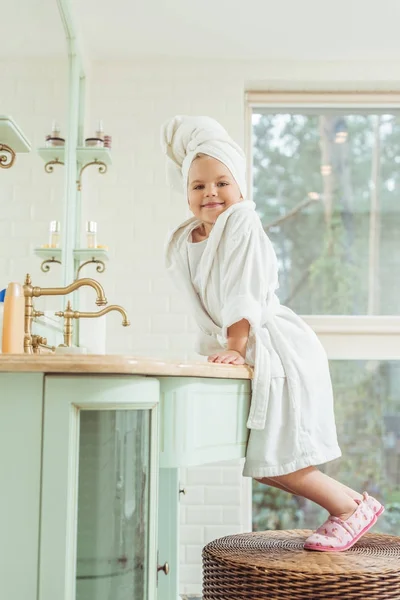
x: 239, y: 29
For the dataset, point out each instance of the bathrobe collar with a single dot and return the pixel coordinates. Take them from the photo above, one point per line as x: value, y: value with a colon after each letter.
x: 177, y: 261
x: 176, y: 247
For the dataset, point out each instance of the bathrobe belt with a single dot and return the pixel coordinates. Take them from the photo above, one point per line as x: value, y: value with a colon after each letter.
x: 261, y: 383
x: 262, y: 372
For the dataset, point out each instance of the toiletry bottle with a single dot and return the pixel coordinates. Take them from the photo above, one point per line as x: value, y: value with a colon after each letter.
x: 54, y: 234
x: 55, y: 130
x: 100, y: 131
x: 2, y: 296
x: 91, y: 234
x: 13, y: 320
x: 55, y: 139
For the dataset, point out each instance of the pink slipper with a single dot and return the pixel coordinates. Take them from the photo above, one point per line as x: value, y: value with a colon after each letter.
x: 376, y: 507
x: 336, y: 535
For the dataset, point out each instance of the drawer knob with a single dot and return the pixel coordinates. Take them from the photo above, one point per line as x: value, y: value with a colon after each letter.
x: 164, y: 568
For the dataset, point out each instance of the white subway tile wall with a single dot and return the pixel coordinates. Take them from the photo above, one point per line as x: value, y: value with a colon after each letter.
x: 34, y: 93
x: 134, y: 209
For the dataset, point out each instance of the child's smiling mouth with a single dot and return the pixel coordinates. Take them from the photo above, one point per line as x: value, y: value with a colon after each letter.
x: 212, y: 204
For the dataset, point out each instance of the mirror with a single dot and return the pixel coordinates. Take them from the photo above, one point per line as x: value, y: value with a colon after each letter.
x: 34, y: 92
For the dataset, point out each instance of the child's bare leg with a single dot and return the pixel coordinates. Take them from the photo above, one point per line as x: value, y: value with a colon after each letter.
x: 275, y: 484
x: 278, y: 484
x: 321, y: 489
x: 351, y: 493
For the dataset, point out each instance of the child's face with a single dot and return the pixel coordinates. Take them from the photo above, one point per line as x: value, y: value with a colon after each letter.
x: 211, y: 188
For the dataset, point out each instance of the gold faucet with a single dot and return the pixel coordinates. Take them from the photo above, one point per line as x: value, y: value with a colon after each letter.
x: 70, y: 314
x: 31, y: 292
x: 39, y: 342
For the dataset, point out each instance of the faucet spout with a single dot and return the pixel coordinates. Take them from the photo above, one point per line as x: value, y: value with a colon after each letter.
x: 69, y: 313
x: 39, y: 291
x: 104, y: 311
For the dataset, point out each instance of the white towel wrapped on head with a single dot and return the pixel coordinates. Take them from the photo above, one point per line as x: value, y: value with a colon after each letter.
x: 184, y: 137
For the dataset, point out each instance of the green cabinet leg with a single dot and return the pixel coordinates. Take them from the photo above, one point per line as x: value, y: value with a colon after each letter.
x: 168, y: 534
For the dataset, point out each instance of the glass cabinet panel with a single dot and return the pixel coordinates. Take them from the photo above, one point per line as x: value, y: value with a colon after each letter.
x: 98, y: 538
x: 113, y: 505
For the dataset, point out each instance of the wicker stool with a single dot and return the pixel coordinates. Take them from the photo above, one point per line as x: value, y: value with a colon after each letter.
x: 273, y: 565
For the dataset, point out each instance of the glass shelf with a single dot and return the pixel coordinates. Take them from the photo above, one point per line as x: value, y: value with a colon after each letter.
x: 84, y: 254
x: 81, y: 254
x: 84, y: 155
x: 11, y: 135
x: 12, y: 142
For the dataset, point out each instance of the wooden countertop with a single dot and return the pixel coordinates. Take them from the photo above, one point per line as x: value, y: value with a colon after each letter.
x: 117, y: 364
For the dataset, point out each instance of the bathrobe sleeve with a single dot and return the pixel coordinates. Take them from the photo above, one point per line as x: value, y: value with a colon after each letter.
x: 246, y: 274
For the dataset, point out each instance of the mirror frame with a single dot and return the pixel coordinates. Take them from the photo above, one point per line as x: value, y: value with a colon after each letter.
x: 74, y: 137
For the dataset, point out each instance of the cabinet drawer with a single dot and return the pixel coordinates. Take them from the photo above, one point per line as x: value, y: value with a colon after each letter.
x: 202, y: 420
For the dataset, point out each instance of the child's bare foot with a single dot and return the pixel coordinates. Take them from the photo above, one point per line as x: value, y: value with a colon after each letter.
x: 347, y: 514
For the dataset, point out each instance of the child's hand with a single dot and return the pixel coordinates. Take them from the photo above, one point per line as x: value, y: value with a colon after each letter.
x: 230, y: 357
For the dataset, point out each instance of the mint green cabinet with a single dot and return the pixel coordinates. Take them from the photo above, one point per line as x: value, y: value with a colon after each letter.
x: 21, y: 403
x: 79, y: 479
x: 85, y: 460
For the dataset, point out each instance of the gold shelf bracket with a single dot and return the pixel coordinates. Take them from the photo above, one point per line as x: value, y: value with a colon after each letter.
x: 49, y: 166
x: 45, y: 267
x: 6, y: 160
x: 102, y: 170
x: 101, y: 267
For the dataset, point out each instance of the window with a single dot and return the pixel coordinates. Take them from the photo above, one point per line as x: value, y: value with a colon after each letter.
x: 325, y: 175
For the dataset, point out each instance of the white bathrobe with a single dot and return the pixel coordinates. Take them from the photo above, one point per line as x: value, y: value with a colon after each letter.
x: 291, y: 414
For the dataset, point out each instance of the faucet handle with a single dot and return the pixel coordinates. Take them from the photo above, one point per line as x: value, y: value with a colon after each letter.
x: 68, y: 315
x: 40, y: 342
x: 37, y: 313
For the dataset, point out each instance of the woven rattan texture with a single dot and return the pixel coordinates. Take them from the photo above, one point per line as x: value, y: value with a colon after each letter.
x: 273, y: 565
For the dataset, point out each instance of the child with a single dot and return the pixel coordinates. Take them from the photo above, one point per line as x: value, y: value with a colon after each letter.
x: 225, y: 262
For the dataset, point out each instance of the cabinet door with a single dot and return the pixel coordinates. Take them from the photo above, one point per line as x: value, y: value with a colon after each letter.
x: 203, y: 420
x: 20, y: 465
x: 99, y: 492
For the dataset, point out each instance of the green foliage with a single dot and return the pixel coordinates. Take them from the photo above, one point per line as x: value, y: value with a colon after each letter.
x: 274, y: 509
x: 331, y: 266
x: 324, y: 262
